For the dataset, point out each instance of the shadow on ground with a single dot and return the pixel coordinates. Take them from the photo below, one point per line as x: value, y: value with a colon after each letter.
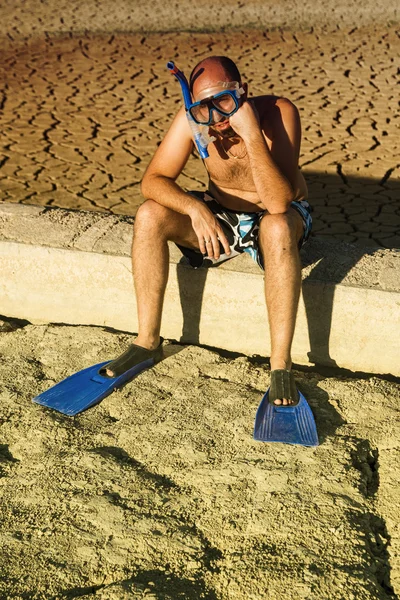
x: 359, y: 210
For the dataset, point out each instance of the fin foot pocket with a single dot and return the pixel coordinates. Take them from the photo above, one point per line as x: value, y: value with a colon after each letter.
x: 283, y: 385
x: 132, y: 357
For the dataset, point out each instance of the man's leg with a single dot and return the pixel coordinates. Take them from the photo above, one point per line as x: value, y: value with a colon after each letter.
x: 155, y: 225
x: 279, y: 236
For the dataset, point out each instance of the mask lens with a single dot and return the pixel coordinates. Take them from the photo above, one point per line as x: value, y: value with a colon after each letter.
x: 200, y: 113
x: 225, y: 103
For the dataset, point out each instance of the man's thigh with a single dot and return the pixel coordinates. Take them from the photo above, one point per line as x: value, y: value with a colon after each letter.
x: 296, y: 223
x: 303, y: 209
x: 183, y: 234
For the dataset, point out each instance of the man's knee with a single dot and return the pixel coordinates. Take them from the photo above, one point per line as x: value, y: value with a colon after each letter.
x: 277, y: 229
x: 153, y: 220
x: 150, y: 212
x: 152, y: 217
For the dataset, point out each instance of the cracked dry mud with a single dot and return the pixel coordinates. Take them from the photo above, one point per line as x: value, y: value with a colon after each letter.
x: 160, y: 492
x: 83, y: 114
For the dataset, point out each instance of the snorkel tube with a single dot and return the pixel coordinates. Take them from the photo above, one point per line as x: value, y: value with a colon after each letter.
x: 200, y: 139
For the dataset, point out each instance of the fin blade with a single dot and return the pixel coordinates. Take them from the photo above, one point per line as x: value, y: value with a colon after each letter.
x: 285, y: 424
x: 85, y: 388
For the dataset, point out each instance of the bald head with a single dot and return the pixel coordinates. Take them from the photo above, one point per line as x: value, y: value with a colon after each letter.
x: 211, y: 70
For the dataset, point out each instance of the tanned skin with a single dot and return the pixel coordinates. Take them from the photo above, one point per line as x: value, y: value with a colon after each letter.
x: 265, y: 133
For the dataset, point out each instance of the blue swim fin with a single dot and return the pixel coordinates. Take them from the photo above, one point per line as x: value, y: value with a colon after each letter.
x: 286, y: 424
x: 86, y: 388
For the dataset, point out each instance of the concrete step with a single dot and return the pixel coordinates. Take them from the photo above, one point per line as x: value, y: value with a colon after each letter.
x: 74, y: 267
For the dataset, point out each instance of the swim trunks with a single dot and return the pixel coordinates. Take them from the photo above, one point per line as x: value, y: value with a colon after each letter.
x: 241, y: 230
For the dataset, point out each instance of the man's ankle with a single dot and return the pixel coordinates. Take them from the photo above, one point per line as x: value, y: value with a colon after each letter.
x: 279, y: 363
x: 148, y: 342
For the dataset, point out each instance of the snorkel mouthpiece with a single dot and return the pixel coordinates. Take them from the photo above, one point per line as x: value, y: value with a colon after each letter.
x: 200, y: 139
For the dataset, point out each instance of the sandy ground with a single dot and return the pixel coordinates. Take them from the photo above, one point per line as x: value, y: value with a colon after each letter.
x: 82, y: 115
x: 160, y: 492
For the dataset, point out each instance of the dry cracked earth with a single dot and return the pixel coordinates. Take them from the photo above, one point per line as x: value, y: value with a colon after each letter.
x: 81, y: 116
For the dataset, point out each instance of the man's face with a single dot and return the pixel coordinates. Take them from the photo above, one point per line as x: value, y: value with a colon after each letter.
x: 208, y: 84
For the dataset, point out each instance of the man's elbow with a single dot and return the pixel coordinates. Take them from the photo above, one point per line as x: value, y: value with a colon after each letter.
x: 147, y: 185
x: 144, y: 186
x: 281, y: 206
x: 278, y: 210
x: 149, y: 182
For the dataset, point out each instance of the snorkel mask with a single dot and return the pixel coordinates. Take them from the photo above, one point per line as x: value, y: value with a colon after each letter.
x: 225, y: 103
x: 202, y: 113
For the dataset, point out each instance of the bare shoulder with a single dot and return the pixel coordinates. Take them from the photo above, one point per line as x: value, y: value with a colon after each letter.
x: 274, y: 112
x: 174, y: 150
x: 181, y: 123
x: 286, y: 107
x: 269, y: 105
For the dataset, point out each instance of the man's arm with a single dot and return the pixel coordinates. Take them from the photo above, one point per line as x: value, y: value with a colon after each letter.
x: 274, y: 171
x: 158, y: 184
x: 285, y: 148
x: 171, y: 156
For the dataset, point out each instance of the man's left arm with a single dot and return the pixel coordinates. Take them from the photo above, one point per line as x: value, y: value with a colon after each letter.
x: 274, y: 171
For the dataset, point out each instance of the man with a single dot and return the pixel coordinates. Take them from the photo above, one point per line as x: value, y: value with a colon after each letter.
x: 254, y: 179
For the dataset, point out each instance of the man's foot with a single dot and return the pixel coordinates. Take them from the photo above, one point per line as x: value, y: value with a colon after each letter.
x: 133, y: 356
x: 283, y: 390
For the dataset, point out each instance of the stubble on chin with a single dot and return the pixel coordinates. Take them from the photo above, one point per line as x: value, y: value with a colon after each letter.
x: 229, y: 132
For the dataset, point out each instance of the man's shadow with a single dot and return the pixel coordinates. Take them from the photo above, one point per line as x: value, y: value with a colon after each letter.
x: 191, y: 283
x: 331, y: 259
x: 328, y: 269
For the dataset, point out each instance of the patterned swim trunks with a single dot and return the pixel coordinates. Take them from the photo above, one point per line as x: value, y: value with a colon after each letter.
x: 241, y: 230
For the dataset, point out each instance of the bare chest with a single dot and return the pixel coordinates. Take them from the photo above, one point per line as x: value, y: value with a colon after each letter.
x: 229, y: 172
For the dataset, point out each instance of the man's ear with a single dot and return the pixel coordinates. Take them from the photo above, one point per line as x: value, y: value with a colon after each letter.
x: 246, y: 89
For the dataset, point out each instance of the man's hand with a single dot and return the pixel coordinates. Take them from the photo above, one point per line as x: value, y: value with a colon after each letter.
x: 246, y: 120
x: 208, y: 230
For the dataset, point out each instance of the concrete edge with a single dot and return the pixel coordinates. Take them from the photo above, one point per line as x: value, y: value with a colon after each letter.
x: 74, y: 267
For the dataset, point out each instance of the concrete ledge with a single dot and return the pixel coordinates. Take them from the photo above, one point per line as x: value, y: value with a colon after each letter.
x: 74, y: 267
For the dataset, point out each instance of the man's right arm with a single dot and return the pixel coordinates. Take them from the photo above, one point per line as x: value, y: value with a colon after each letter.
x: 159, y: 184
